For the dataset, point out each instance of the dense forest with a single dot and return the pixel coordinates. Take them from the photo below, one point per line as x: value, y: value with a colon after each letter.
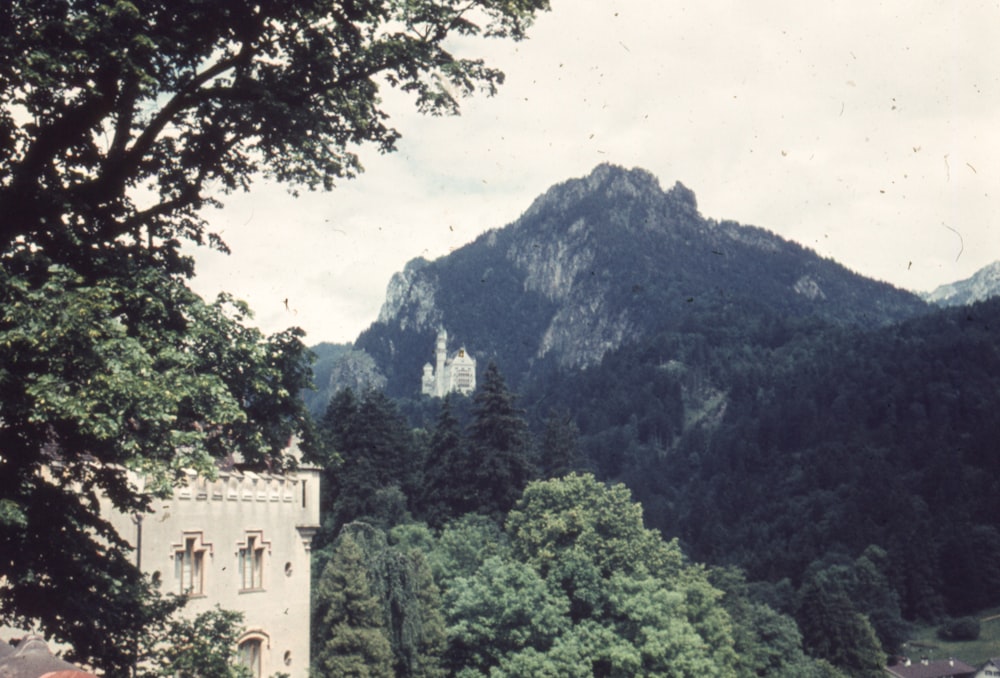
x: 841, y: 482
x: 446, y: 552
x: 818, y: 446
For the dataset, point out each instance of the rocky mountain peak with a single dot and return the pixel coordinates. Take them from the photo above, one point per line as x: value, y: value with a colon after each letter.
x: 983, y: 284
x: 409, y: 298
x: 602, y: 261
x: 606, y: 185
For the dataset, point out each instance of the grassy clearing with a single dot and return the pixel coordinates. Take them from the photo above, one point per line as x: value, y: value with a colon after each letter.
x: 925, y: 643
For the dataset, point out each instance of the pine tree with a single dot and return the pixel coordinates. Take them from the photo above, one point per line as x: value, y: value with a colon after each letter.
x: 384, y: 588
x: 354, y: 641
x: 447, y: 471
x: 500, y: 447
x: 560, y: 452
x: 834, y: 630
x: 378, y: 466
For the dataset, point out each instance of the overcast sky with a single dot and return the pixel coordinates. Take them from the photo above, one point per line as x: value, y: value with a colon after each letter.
x: 868, y: 131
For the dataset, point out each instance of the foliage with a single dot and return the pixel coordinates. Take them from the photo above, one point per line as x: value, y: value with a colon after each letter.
x: 353, y: 640
x: 120, y: 121
x: 762, y: 427
x: 372, y: 462
x: 584, y: 590
x: 499, y: 445
x: 505, y: 608
x: 189, y: 98
x: 559, y: 450
x: 834, y: 630
x: 448, y: 470
x: 464, y: 544
x: 200, y: 646
x: 135, y: 375
x: 963, y: 628
x: 767, y: 642
x: 398, y: 582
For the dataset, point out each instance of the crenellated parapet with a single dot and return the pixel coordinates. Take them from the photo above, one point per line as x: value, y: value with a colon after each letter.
x: 248, y: 486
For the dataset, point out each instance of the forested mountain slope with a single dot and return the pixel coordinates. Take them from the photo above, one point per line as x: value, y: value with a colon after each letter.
x: 794, y: 444
x: 767, y: 407
x: 600, y: 262
x: 832, y: 437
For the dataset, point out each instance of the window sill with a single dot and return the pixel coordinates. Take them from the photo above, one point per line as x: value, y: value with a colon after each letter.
x: 259, y: 590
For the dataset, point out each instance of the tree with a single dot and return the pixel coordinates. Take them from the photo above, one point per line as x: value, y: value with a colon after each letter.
x: 464, y: 545
x: 767, y: 643
x: 448, y: 470
x: 376, y: 461
x: 499, y: 446
x: 120, y: 120
x: 188, y: 98
x: 135, y: 375
x: 560, y: 452
x: 585, y: 590
x: 350, y: 624
x: 504, y: 608
x: 204, y: 645
x: 399, y: 582
x: 833, y: 629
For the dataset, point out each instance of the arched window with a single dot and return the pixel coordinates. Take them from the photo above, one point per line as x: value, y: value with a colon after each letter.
x: 251, y: 650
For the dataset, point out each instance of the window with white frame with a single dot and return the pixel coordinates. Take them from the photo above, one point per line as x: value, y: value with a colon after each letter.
x: 189, y: 564
x: 251, y: 561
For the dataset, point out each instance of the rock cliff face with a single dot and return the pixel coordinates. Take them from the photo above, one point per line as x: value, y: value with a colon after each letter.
x: 598, y: 262
x: 409, y: 299
x: 983, y: 284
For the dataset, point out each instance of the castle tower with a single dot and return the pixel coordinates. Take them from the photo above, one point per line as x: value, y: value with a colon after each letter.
x: 427, y: 385
x: 440, y: 376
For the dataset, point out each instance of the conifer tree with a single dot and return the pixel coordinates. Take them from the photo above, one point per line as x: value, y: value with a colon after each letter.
x: 398, y: 583
x: 833, y: 629
x: 560, y: 452
x: 354, y: 639
x: 447, y: 470
x: 500, y: 447
x: 377, y: 468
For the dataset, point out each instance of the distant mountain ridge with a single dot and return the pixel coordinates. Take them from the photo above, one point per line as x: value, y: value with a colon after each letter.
x: 600, y: 261
x: 983, y: 284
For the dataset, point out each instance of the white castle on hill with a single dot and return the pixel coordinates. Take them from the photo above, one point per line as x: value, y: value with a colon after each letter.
x: 457, y: 373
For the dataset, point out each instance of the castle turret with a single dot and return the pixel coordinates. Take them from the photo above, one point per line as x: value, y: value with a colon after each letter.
x: 440, y: 376
x: 427, y: 381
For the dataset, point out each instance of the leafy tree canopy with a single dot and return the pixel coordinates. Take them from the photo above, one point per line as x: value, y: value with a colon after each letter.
x: 584, y: 589
x: 120, y: 120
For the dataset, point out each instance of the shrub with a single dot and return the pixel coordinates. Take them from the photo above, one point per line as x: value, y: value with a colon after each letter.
x: 963, y: 628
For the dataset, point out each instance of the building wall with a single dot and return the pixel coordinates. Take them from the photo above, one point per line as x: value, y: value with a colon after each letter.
x: 462, y: 373
x: 241, y: 542
x: 457, y: 373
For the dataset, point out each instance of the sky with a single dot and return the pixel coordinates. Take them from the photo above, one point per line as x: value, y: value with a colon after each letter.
x: 868, y: 131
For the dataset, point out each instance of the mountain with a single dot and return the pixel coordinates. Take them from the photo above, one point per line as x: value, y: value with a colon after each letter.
x: 599, y: 262
x: 768, y: 408
x: 983, y: 284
